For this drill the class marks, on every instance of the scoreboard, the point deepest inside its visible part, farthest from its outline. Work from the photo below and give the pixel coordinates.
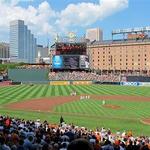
(70, 55)
(70, 62)
(71, 48)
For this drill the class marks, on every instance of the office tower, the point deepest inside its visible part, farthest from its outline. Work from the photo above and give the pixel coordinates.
(94, 34)
(42, 51)
(22, 43)
(4, 50)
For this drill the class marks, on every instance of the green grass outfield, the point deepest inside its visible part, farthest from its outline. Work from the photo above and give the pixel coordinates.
(89, 113)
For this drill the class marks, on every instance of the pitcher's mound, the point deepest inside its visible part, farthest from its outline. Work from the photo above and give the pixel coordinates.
(146, 121)
(112, 106)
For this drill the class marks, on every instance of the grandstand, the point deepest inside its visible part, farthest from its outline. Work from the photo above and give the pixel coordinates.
(17, 134)
(82, 75)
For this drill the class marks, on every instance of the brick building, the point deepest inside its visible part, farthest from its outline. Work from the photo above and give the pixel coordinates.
(125, 56)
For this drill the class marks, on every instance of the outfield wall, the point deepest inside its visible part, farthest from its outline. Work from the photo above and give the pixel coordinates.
(28, 75)
(59, 82)
(70, 82)
(135, 83)
(40, 76)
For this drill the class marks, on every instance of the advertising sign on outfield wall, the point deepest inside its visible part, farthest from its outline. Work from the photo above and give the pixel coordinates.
(144, 83)
(130, 83)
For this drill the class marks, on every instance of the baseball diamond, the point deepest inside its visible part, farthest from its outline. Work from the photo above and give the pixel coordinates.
(126, 107)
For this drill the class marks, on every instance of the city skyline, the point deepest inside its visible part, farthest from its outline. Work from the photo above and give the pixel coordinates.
(46, 18)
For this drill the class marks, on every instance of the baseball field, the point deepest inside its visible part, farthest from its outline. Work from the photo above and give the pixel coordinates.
(125, 108)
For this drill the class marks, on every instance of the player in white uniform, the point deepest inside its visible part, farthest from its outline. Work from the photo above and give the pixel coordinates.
(103, 102)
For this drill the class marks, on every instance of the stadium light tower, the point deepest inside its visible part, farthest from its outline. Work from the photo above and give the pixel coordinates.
(52, 50)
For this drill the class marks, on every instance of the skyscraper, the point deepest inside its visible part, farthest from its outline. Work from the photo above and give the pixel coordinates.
(94, 34)
(22, 43)
(4, 50)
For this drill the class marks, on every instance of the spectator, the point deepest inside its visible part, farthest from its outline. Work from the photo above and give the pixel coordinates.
(107, 145)
(80, 144)
(27, 135)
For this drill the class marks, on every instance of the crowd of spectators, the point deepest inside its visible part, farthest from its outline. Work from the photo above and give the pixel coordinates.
(3, 76)
(19, 134)
(82, 75)
(33, 66)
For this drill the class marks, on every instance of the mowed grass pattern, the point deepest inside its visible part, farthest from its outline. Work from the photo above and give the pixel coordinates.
(89, 113)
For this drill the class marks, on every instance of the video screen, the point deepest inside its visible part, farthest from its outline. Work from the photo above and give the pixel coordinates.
(84, 62)
(71, 62)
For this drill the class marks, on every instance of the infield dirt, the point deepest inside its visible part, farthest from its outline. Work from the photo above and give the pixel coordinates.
(47, 104)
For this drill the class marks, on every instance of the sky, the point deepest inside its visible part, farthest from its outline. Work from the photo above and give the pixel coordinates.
(47, 18)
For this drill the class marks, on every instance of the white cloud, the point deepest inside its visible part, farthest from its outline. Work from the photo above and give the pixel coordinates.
(84, 14)
(38, 19)
(43, 19)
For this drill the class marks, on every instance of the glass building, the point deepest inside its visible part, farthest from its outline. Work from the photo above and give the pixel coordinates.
(22, 43)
